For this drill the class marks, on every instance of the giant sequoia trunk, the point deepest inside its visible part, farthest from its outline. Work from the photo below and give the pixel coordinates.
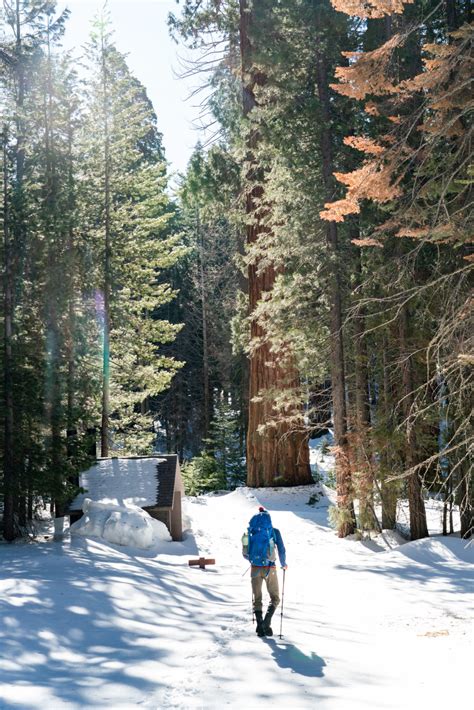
(346, 524)
(275, 455)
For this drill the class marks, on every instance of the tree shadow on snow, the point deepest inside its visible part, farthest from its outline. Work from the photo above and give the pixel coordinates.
(406, 564)
(90, 625)
(289, 656)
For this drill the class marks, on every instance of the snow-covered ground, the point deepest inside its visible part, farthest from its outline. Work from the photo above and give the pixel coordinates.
(320, 457)
(323, 468)
(86, 624)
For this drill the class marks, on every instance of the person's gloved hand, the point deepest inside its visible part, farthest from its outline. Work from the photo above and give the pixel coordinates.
(285, 567)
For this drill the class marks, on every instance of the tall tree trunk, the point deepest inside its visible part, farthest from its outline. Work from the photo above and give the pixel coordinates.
(418, 524)
(54, 277)
(466, 502)
(465, 470)
(204, 330)
(107, 265)
(12, 260)
(362, 455)
(8, 459)
(388, 492)
(275, 455)
(452, 15)
(71, 315)
(338, 385)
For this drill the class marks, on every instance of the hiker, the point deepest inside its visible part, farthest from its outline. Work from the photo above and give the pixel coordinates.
(258, 546)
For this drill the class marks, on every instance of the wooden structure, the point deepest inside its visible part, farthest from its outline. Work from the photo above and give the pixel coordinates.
(202, 562)
(152, 483)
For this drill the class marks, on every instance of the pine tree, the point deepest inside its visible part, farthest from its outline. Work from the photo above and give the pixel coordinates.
(128, 229)
(208, 282)
(51, 225)
(29, 24)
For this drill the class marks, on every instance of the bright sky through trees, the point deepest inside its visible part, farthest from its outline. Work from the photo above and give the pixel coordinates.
(141, 31)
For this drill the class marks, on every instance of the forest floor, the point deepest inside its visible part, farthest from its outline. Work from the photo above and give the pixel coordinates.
(86, 624)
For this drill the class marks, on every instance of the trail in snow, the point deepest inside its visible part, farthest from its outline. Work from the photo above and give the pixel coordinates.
(85, 624)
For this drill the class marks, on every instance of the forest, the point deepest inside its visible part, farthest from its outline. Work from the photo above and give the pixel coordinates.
(310, 272)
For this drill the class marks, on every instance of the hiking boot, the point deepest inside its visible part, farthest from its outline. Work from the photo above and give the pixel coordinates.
(259, 618)
(267, 629)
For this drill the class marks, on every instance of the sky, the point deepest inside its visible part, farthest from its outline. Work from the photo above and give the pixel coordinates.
(141, 32)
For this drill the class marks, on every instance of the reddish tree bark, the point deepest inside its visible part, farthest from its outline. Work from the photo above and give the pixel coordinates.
(275, 455)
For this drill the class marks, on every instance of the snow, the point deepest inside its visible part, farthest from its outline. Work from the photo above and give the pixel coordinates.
(130, 525)
(85, 623)
(322, 464)
(320, 457)
(120, 481)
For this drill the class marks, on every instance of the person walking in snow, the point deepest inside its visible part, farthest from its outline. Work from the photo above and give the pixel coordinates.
(258, 546)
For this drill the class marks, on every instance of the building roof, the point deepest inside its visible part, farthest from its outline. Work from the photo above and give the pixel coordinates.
(147, 482)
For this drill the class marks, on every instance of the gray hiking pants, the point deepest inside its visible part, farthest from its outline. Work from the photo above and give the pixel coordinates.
(269, 574)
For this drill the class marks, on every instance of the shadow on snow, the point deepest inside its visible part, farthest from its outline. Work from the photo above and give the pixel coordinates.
(79, 623)
(289, 656)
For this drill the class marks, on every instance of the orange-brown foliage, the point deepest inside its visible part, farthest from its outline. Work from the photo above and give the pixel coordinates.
(368, 72)
(373, 181)
(371, 109)
(370, 8)
(365, 145)
(367, 242)
(443, 93)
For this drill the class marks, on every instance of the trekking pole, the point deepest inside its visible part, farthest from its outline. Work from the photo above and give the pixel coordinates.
(253, 610)
(282, 600)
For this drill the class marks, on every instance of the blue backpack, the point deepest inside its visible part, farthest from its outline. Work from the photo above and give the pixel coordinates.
(261, 550)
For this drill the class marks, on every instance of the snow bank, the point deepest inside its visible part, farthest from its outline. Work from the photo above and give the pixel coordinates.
(128, 526)
(242, 500)
(448, 551)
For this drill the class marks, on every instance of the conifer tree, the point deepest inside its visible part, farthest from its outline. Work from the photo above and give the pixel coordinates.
(28, 25)
(275, 452)
(128, 229)
(53, 260)
(208, 282)
(427, 173)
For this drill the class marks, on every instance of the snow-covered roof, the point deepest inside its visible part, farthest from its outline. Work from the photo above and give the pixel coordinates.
(121, 481)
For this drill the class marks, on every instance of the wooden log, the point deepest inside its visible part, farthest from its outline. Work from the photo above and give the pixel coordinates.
(202, 562)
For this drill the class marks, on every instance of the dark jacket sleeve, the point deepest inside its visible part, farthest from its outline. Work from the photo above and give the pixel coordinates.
(280, 547)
